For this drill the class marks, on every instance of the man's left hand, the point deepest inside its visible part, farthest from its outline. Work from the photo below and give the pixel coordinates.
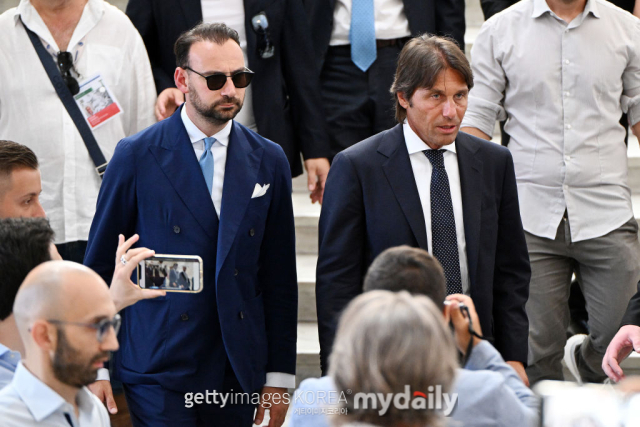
(317, 170)
(519, 368)
(102, 389)
(276, 400)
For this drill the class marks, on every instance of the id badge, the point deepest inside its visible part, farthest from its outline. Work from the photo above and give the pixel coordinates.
(96, 101)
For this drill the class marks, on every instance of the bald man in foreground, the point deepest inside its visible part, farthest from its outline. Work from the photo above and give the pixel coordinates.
(68, 324)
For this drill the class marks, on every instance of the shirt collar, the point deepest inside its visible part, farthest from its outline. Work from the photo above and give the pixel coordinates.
(540, 7)
(416, 145)
(41, 400)
(91, 15)
(3, 349)
(196, 135)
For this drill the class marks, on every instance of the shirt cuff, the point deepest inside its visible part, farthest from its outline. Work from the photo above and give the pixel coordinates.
(280, 379)
(103, 375)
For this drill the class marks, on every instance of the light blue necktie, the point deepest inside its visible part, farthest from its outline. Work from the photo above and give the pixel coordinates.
(362, 34)
(206, 162)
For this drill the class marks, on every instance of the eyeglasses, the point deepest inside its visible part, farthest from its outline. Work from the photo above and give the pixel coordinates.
(216, 81)
(65, 65)
(260, 25)
(102, 327)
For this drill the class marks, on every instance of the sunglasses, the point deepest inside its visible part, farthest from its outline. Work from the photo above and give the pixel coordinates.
(260, 25)
(65, 65)
(216, 81)
(102, 327)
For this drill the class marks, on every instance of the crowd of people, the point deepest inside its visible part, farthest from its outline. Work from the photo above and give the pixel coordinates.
(445, 261)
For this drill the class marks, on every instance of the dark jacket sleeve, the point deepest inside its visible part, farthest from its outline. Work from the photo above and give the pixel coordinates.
(632, 315)
(511, 275)
(303, 83)
(141, 14)
(450, 19)
(341, 250)
(491, 7)
(277, 274)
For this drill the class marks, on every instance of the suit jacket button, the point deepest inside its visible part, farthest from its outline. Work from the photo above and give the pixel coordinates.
(184, 317)
(252, 232)
(235, 272)
(241, 315)
(176, 229)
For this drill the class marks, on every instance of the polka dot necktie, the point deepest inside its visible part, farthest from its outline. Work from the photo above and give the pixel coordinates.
(443, 223)
(206, 162)
(362, 34)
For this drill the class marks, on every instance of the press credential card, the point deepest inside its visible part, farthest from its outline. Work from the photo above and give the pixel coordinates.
(97, 103)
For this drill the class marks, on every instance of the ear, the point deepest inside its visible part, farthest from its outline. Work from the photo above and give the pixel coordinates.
(403, 100)
(181, 80)
(44, 335)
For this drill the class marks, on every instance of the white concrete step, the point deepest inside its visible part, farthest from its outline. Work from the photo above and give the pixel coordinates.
(308, 360)
(306, 216)
(306, 265)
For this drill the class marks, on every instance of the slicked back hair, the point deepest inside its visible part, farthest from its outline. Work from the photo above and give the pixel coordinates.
(404, 268)
(420, 62)
(15, 156)
(217, 33)
(24, 244)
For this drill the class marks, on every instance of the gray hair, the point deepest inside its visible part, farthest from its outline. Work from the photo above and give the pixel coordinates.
(385, 341)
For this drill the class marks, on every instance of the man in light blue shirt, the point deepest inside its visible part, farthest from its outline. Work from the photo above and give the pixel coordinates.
(68, 324)
(8, 363)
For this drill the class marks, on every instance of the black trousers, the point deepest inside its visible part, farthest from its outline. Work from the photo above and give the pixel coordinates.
(357, 104)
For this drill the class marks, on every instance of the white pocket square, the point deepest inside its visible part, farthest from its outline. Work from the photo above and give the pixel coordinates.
(259, 190)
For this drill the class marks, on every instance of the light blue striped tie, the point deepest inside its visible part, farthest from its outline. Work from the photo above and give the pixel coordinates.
(206, 162)
(362, 34)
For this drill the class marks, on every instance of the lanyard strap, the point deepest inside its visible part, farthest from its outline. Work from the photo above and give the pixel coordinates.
(69, 103)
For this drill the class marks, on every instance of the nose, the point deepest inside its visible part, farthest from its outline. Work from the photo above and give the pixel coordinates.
(229, 89)
(449, 108)
(38, 210)
(110, 341)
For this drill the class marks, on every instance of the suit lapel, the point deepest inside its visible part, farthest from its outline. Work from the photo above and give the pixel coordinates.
(192, 10)
(178, 161)
(397, 169)
(472, 189)
(240, 178)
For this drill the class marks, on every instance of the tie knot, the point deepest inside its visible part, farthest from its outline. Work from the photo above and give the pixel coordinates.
(208, 143)
(435, 157)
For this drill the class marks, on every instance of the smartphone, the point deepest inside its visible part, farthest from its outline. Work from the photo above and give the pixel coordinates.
(171, 273)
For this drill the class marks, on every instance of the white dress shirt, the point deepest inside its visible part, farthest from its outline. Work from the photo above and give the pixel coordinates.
(390, 21)
(219, 151)
(105, 42)
(231, 12)
(27, 401)
(562, 88)
(422, 168)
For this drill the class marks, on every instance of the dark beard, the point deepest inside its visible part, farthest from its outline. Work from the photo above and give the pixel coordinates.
(214, 116)
(68, 369)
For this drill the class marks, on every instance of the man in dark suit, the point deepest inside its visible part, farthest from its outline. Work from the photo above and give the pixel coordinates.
(284, 103)
(357, 58)
(226, 197)
(424, 184)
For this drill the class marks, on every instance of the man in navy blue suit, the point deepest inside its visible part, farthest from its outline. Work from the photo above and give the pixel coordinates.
(199, 183)
(424, 184)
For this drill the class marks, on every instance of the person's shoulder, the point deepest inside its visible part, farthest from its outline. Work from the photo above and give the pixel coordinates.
(481, 382)
(482, 145)
(271, 149)
(114, 16)
(622, 17)
(520, 10)
(365, 150)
